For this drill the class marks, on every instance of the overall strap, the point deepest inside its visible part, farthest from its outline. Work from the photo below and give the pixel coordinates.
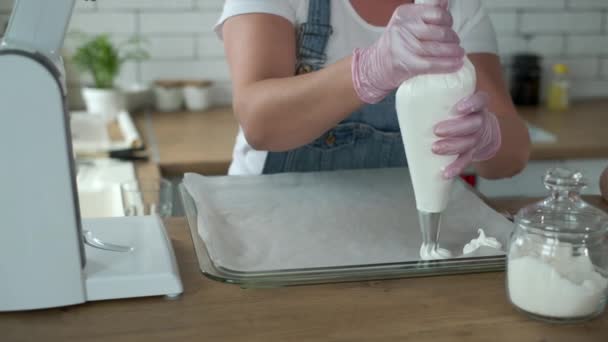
(312, 42)
(313, 36)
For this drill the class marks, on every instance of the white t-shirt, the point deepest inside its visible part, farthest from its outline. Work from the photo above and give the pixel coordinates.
(350, 31)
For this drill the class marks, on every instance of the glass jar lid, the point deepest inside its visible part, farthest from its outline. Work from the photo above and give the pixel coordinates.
(564, 211)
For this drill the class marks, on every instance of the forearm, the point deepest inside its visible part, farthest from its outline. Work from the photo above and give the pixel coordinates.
(284, 113)
(514, 151)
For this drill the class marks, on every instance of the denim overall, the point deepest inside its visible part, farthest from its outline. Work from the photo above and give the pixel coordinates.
(368, 138)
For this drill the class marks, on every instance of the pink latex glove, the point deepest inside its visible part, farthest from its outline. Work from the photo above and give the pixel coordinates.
(474, 135)
(419, 39)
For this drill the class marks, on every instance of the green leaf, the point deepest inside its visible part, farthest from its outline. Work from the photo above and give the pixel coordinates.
(99, 57)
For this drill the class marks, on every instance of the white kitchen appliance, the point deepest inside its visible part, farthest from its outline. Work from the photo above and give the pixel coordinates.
(43, 259)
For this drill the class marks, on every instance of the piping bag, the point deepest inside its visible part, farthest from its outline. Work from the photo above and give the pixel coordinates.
(421, 103)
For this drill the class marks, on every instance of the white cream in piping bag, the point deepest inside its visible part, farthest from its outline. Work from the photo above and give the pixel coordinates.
(421, 103)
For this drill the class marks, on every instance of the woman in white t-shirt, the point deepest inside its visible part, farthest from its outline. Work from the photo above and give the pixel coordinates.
(314, 84)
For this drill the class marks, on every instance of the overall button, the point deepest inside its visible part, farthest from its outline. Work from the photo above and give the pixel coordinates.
(331, 139)
(304, 69)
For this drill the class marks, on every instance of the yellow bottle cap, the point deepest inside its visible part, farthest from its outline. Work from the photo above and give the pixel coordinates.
(560, 69)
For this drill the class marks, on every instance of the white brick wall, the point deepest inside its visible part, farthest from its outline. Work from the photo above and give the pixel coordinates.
(145, 4)
(525, 4)
(110, 22)
(588, 4)
(215, 69)
(177, 22)
(182, 43)
(172, 46)
(574, 32)
(587, 44)
(557, 22)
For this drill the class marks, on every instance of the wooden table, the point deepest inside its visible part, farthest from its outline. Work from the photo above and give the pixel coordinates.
(203, 142)
(470, 307)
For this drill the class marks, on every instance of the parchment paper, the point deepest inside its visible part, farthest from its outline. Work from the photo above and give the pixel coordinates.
(341, 218)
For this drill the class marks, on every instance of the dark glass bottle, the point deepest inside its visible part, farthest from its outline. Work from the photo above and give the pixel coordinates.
(526, 80)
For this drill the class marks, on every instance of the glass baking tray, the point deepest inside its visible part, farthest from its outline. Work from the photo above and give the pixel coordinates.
(302, 276)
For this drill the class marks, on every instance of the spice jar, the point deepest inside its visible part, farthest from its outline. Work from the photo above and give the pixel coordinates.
(168, 95)
(558, 97)
(197, 95)
(557, 261)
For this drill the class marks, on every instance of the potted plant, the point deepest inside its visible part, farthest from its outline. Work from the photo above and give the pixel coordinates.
(100, 58)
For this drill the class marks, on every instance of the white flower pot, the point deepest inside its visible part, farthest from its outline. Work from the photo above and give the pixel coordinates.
(105, 102)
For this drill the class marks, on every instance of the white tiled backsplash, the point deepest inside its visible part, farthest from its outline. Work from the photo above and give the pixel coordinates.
(182, 43)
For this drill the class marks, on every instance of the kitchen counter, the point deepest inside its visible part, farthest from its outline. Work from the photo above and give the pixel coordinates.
(203, 142)
(183, 142)
(581, 132)
(470, 307)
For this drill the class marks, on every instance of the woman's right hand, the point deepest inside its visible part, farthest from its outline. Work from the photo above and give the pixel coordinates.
(418, 39)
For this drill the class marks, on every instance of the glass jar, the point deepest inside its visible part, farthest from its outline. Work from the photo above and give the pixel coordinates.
(557, 261)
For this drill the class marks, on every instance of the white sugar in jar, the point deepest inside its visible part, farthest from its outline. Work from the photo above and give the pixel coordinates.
(557, 260)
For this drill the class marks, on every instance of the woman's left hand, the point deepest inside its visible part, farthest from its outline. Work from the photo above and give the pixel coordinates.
(474, 134)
